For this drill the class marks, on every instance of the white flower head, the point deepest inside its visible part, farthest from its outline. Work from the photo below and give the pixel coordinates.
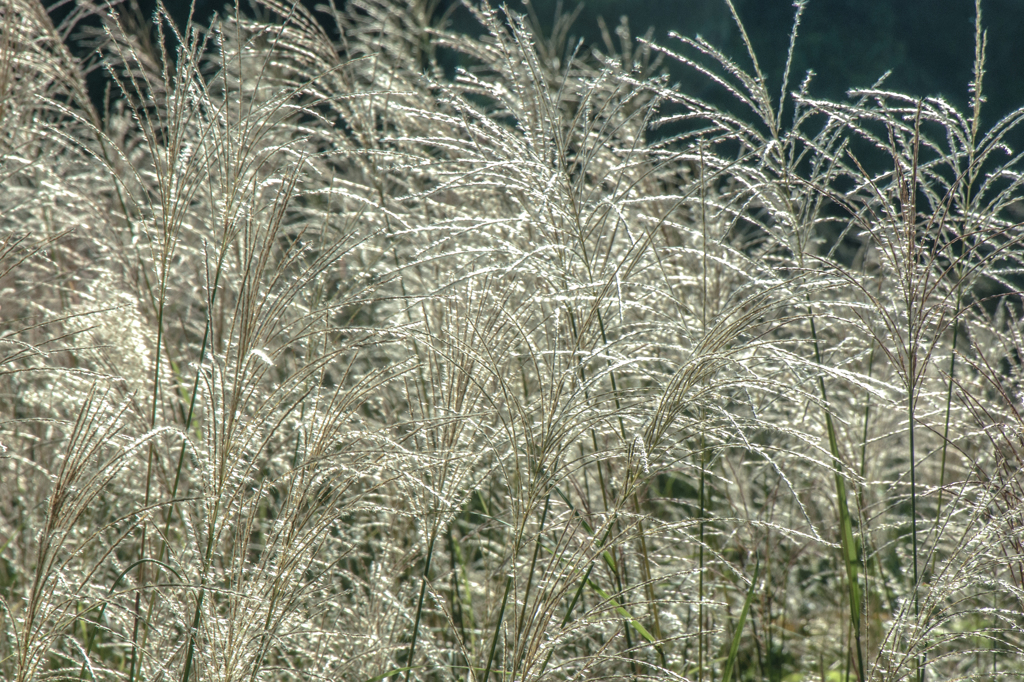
(638, 445)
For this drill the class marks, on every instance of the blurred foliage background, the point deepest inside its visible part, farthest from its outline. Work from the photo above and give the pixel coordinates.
(926, 44)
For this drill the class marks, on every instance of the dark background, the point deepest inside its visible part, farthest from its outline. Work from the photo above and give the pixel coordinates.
(927, 44)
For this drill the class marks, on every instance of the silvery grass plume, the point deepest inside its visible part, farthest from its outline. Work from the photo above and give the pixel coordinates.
(323, 362)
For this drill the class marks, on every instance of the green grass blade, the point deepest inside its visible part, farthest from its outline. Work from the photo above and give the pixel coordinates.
(734, 649)
(396, 671)
(497, 629)
(637, 625)
(849, 548)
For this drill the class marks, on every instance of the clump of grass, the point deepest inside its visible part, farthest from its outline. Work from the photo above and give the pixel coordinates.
(319, 361)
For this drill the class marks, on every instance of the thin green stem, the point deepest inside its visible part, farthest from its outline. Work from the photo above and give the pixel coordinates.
(703, 444)
(849, 547)
(945, 430)
(497, 629)
(419, 605)
(529, 583)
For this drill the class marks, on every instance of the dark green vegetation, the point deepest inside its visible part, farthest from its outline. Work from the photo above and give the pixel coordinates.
(319, 364)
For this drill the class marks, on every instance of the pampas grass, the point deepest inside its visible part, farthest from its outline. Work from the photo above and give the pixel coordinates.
(321, 363)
